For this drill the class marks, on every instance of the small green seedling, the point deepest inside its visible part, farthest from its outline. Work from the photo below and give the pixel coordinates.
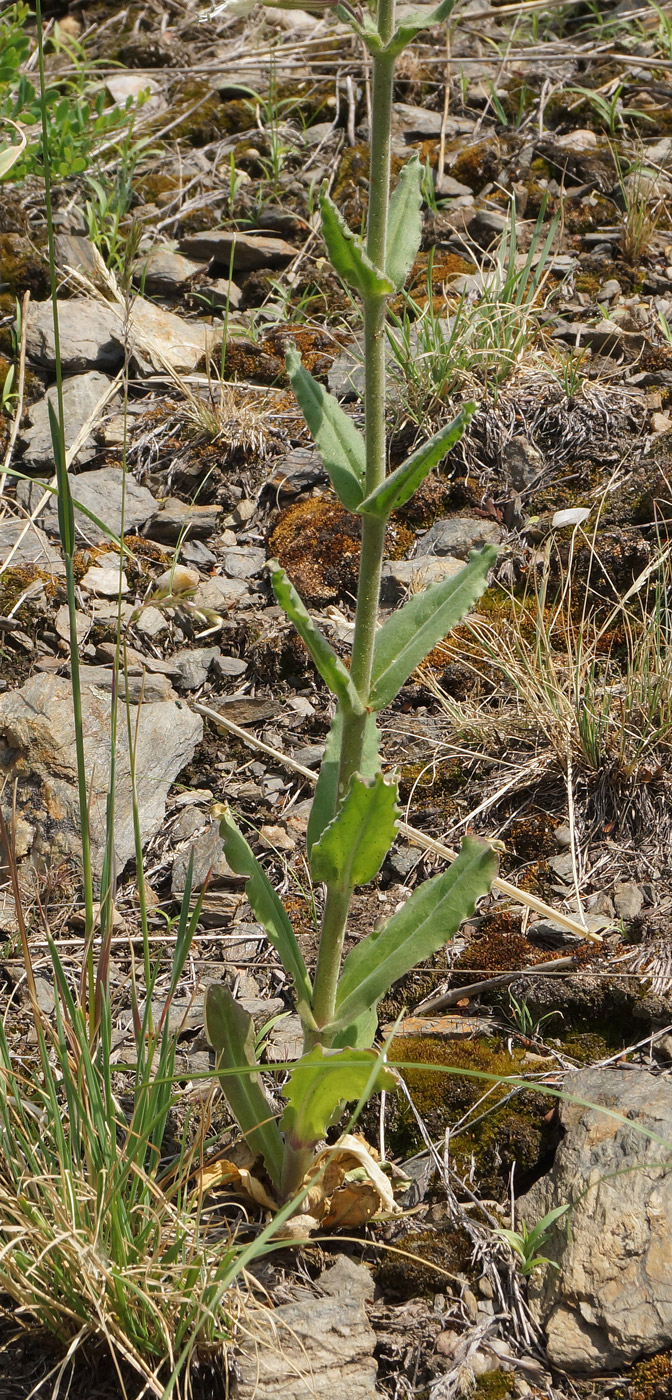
(354, 815)
(525, 1243)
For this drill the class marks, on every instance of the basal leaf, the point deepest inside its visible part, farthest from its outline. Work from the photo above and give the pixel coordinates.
(410, 633)
(330, 667)
(348, 256)
(230, 1031)
(334, 433)
(268, 909)
(325, 800)
(353, 846)
(427, 920)
(399, 486)
(322, 1080)
(414, 23)
(404, 230)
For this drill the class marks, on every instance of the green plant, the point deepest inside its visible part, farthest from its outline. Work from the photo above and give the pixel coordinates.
(609, 110)
(524, 1019)
(525, 1243)
(354, 813)
(78, 122)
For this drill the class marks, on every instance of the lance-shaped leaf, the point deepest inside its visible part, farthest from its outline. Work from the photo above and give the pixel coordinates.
(410, 633)
(404, 229)
(348, 256)
(414, 23)
(353, 846)
(230, 1031)
(360, 1034)
(427, 920)
(340, 445)
(322, 1080)
(329, 665)
(268, 909)
(399, 486)
(325, 801)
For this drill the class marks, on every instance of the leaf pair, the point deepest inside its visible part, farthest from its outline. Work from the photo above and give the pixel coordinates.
(404, 233)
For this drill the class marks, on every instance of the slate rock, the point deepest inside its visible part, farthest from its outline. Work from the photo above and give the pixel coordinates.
(163, 272)
(90, 335)
(101, 491)
(193, 666)
(298, 471)
(316, 1348)
(222, 292)
(37, 749)
(162, 340)
(146, 688)
(81, 395)
(522, 462)
(243, 561)
(458, 535)
(34, 548)
(219, 594)
(610, 1300)
(250, 250)
(207, 848)
(398, 575)
(628, 900)
(74, 250)
(175, 518)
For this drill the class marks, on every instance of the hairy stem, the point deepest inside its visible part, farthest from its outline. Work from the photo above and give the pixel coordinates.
(337, 903)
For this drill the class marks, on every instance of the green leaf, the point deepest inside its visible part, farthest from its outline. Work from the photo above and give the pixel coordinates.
(330, 667)
(325, 800)
(410, 633)
(404, 230)
(353, 846)
(348, 256)
(428, 919)
(268, 909)
(414, 23)
(230, 1031)
(399, 486)
(360, 1034)
(324, 1079)
(334, 433)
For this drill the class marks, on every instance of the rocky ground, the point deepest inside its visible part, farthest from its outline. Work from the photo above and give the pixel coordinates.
(544, 291)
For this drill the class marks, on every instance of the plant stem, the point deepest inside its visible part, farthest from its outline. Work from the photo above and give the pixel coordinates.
(337, 902)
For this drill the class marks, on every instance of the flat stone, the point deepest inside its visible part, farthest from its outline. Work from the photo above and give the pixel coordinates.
(90, 335)
(152, 622)
(628, 900)
(81, 395)
(175, 518)
(222, 292)
(109, 582)
(219, 594)
(102, 492)
(522, 462)
(207, 849)
(300, 470)
(458, 535)
(34, 548)
(250, 250)
(243, 561)
(610, 1299)
(37, 748)
(229, 666)
(163, 272)
(75, 251)
(317, 1348)
(147, 688)
(400, 574)
(193, 666)
(165, 340)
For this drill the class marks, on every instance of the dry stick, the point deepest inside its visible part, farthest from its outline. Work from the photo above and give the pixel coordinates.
(451, 998)
(418, 838)
(14, 431)
(444, 120)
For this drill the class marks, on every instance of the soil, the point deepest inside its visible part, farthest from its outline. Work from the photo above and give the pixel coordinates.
(544, 721)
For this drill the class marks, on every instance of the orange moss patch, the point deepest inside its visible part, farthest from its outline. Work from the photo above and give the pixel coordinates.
(318, 543)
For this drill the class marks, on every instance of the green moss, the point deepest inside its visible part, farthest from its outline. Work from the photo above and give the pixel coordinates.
(516, 1133)
(22, 267)
(13, 584)
(427, 1257)
(493, 1386)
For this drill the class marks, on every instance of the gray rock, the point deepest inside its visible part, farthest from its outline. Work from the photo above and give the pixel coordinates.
(400, 574)
(229, 666)
(316, 1348)
(628, 900)
(522, 462)
(177, 518)
(163, 272)
(221, 292)
(73, 250)
(610, 1300)
(563, 866)
(193, 667)
(33, 549)
(609, 290)
(250, 250)
(459, 535)
(90, 335)
(102, 492)
(81, 394)
(147, 689)
(243, 561)
(37, 748)
(297, 472)
(219, 594)
(207, 848)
